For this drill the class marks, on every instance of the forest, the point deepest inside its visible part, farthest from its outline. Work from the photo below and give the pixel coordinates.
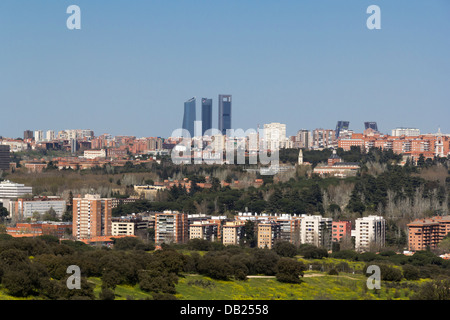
(36, 268)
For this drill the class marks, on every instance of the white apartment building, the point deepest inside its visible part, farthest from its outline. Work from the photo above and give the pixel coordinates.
(38, 135)
(11, 190)
(275, 136)
(405, 132)
(316, 230)
(24, 208)
(369, 231)
(15, 145)
(50, 135)
(93, 154)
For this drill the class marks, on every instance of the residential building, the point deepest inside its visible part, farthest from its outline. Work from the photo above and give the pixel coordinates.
(28, 135)
(427, 233)
(38, 135)
(50, 135)
(409, 132)
(171, 227)
(91, 216)
(11, 190)
(268, 233)
(275, 136)
(233, 232)
(205, 230)
(24, 208)
(316, 230)
(369, 231)
(303, 139)
(340, 230)
(323, 138)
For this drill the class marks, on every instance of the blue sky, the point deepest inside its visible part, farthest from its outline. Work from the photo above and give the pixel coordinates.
(305, 63)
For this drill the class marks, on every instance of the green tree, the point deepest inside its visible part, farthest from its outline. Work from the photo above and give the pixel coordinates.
(289, 270)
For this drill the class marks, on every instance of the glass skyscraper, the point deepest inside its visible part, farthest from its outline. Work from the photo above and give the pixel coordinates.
(224, 113)
(206, 115)
(189, 116)
(340, 126)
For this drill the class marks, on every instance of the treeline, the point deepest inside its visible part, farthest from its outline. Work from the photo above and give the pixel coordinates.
(37, 267)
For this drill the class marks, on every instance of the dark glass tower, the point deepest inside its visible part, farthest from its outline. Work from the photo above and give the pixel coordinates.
(189, 116)
(206, 115)
(371, 125)
(224, 113)
(5, 157)
(341, 125)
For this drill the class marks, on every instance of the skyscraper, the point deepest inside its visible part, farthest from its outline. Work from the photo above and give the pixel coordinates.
(341, 125)
(371, 125)
(5, 157)
(206, 115)
(224, 113)
(189, 116)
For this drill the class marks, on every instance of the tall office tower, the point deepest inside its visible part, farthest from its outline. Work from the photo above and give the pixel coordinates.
(371, 125)
(224, 113)
(91, 217)
(369, 231)
(50, 135)
(341, 126)
(38, 136)
(5, 157)
(206, 115)
(27, 134)
(189, 116)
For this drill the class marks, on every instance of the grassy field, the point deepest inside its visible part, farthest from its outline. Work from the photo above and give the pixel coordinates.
(315, 286)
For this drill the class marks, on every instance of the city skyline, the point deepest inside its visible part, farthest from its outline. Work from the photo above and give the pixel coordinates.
(307, 65)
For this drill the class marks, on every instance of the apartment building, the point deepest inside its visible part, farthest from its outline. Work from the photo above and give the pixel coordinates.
(171, 227)
(341, 229)
(369, 231)
(24, 208)
(427, 233)
(205, 230)
(316, 230)
(268, 233)
(91, 217)
(233, 232)
(11, 190)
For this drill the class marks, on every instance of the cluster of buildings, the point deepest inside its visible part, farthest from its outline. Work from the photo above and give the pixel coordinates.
(93, 223)
(92, 220)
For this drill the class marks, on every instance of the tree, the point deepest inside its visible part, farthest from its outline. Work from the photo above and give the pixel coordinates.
(285, 249)
(435, 290)
(410, 272)
(289, 270)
